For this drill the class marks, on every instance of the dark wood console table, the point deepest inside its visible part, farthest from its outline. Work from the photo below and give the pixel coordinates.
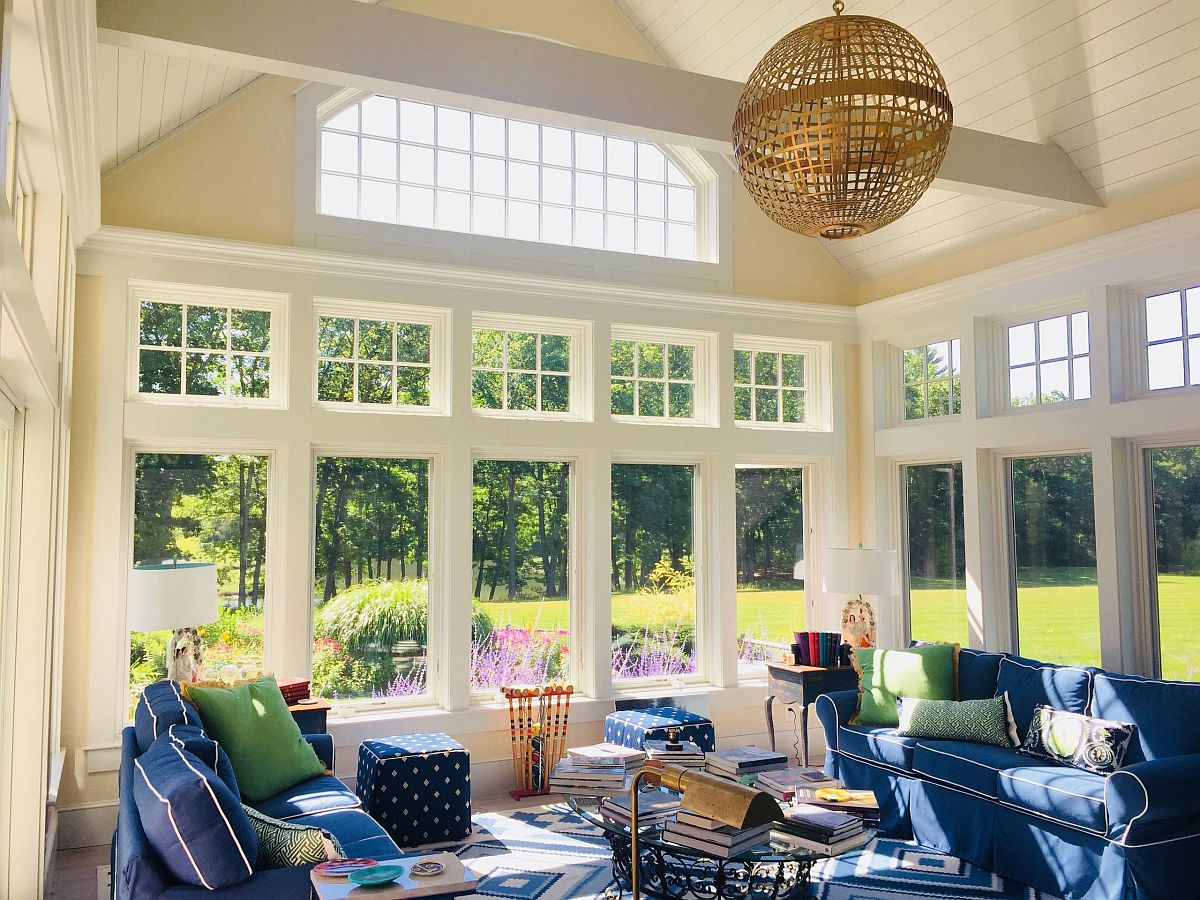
(800, 686)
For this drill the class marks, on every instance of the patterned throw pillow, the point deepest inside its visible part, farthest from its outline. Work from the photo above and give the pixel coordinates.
(978, 721)
(283, 844)
(1094, 745)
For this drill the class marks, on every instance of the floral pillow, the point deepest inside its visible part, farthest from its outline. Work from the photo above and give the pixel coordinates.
(1094, 745)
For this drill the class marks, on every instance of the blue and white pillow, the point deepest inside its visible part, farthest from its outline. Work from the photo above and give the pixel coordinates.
(193, 739)
(160, 706)
(1094, 745)
(193, 821)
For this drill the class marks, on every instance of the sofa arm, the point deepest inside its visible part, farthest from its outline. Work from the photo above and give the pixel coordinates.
(835, 709)
(323, 745)
(1154, 800)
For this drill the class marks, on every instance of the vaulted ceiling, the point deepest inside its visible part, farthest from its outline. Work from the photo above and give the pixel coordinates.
(1115, 83)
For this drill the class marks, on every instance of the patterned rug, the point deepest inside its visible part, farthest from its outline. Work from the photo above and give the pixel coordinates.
(549, 853)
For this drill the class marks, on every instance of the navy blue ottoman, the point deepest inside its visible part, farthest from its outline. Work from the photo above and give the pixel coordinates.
(633, 727)
(417, 786)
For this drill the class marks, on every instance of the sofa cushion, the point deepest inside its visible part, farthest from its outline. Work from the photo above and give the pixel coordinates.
(966, 765)
(282, 844)
(1165, 713)
(193, 739)
(1030, 683)
(926, 671)
(318, 794)
(192, 820)
(1066, 795)
(986, 721)
(358, 834)
(977, 673)
(159, 706)
(877, 745)
(1084, 742)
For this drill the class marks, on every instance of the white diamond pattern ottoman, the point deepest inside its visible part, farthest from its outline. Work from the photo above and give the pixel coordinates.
(417, 786)
(633, 727)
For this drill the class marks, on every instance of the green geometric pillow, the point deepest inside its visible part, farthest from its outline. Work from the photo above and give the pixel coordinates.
(884, 676)
(978, 721)
(1094, 745)
(284, 844)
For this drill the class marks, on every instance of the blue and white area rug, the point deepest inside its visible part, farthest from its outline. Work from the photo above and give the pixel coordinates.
(549, 853)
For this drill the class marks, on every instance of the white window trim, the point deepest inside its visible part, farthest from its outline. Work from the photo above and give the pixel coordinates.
(200, 295)
(579, 368)
(707, 608)
(437, 558)
(897, 386)
(438, 321)
(1001, 389)
(817, 379)
(704, 372)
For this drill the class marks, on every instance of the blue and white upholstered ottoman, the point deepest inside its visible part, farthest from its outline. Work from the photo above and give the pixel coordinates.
(633, 727)
(417, 786)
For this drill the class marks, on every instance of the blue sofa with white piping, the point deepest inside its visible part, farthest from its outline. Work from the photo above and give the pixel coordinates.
(1071, 833)
(140, 873)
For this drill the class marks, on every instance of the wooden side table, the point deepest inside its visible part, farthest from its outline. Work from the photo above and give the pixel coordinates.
(312, 717)
(455, 881)
(800, 686)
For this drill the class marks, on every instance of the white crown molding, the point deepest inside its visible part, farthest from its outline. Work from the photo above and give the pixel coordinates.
(69, 64)
(1181, 229)
(110, 239)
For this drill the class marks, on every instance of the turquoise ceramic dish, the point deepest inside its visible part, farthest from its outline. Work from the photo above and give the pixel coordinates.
(374, 876)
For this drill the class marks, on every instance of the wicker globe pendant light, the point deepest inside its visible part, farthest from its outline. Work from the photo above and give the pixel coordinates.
(842, 126)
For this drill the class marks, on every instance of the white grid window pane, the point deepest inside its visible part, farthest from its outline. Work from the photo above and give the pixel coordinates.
(1194, 359)
(1048, 360)
(1193, 311)
(1164, 317)
(1166, 365)
(1052, 335)
(1021, 344)
(419, 164)
(1083, 377)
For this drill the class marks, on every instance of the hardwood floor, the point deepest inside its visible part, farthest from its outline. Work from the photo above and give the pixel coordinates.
(75, 870)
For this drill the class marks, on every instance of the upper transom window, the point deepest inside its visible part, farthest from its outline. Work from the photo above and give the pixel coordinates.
(399, 161)
(1048, 360)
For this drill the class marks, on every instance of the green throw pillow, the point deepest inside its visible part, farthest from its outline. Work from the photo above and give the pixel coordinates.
(978, 721)
(252, 723)
(884, 676)
(283, 844)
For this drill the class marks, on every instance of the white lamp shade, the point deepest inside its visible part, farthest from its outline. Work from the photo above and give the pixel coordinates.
(172, 595)
(858, 571)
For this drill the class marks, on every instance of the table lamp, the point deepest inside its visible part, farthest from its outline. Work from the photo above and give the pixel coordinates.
(181, 596)
(724, 801)
(855, 570)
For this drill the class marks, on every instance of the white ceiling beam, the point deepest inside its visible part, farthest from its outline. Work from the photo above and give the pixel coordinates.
(351, 44)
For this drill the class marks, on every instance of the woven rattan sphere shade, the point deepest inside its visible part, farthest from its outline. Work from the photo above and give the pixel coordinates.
(842, 126)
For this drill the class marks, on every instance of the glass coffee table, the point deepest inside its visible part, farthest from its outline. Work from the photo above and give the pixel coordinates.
(771, 871)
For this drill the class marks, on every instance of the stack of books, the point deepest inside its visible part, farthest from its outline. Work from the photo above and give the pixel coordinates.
(654, 808)
(739, 761)
(787, 785)
(607, 755)
(570, 777)
(689, 755)
(819, 648)
(702, 833)
(824, 831)
(854, 803)
(294, 690)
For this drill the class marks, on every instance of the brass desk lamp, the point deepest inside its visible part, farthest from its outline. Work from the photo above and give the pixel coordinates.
(725, 801)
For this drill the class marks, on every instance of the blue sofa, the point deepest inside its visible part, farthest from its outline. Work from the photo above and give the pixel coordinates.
(1133, 834)
(139, 874)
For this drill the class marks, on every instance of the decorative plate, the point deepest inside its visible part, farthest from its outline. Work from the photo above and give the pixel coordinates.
(340, 868)
(376, 875)
(427, 869)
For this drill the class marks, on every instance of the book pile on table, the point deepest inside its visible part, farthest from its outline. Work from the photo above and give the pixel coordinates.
(820, 648)
(654, 808)
(570, 777)
(702, 833)
(825, 831)
(687, 753)
(294, 690)
(739, 761)
(608, 756)
(791, 784)
(854, 803)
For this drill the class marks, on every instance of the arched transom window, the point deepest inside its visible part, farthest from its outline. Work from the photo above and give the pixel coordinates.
(399, 161)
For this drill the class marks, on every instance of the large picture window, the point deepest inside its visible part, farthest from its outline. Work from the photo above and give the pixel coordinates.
(1173, 339)
(935, 558)
(400, 161)
(1175, 493)
(771, 560)
(371, 578)
(1054, 558)
(521, 619)
(210, 508)
(1048, 360)
(653, 571)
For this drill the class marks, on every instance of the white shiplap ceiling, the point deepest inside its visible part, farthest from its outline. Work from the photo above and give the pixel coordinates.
(1115, 83)
(143, 97)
